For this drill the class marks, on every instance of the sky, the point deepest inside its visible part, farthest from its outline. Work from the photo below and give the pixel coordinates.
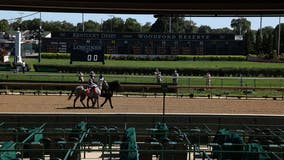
(213, 22)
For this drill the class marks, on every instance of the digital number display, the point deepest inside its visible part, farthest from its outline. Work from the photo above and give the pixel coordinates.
(92, 58)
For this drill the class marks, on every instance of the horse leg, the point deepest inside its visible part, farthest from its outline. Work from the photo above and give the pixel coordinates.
(81, 100)
(88, 102)
(104, 102)
(109, 98)
(75, 101)
(94, 100)
(91, 101)
(98, 105)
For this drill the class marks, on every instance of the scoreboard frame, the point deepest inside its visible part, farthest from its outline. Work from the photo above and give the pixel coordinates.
(93, 45)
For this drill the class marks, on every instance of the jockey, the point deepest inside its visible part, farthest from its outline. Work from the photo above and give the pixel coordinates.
(100, 81)
(91, 82)
(104, 87)
(81, 77)
(158, 75)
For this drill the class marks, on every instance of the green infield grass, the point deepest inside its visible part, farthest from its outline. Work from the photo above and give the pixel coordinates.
(161, 64)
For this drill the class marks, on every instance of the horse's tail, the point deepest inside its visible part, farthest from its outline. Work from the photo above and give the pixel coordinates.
(71, 94)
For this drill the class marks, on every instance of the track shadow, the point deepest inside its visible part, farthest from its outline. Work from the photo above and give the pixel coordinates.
(68, 107)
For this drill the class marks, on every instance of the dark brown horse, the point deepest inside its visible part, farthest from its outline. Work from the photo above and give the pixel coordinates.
(81, 92)
(107, 91)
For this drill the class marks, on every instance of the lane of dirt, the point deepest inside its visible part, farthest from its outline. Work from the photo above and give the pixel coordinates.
(17, 103)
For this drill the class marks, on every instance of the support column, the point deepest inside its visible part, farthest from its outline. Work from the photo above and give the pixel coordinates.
(18, 54)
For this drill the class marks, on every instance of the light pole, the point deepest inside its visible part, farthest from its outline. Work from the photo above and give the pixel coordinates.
(101, 28)
(164, 87)
(170, 24)
(260, 26)
(83, 23)
(111, 25)
(39, 39)
(112, 17)
(20, 21)
(279, 34)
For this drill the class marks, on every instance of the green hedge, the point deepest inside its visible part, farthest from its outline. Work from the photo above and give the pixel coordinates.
(266, 72)
(55, 55)
(177, 58)
(9, 66)
(211, 58)
(5, 66)
(156, 58)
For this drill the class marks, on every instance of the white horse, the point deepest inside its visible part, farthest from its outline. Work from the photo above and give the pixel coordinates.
(92, 94)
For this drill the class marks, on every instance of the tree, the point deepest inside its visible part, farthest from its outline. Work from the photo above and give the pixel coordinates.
(276, 30)
(31, 25)
(4, 25)
(190, 27)
(160, 25)
(171, 23)
(34, 24)
(113, 25)
(250, 43)
(268, 39)
(58, 26)
(258, 42)
(66, 26)
(131, 25)
(222, 30)
(241, 25)
(146, 27)
(25, 25)
(177, 24)
(204, 29)
(16, 25)
(89, 26)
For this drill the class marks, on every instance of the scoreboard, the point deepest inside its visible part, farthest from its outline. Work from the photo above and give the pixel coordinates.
(90, 46)
(87, 50)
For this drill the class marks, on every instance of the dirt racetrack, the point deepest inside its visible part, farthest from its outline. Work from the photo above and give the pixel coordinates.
(60, 104)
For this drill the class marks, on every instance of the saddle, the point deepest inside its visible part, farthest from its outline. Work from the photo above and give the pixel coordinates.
(89, 89)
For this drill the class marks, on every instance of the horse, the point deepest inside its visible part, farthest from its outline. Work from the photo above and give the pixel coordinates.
(81, 92)
(107, 91)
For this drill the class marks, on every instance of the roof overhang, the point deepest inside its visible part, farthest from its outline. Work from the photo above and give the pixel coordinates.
(189, 7)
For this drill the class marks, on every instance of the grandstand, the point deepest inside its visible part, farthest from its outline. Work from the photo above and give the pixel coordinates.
(141, 137)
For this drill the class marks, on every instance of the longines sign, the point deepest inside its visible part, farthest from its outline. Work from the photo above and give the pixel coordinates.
(87, 51)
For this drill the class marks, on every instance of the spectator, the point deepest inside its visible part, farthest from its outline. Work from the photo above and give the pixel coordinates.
(175, 77)
(208, 79)
(158, 76)
(81, 77)
(23, 66)
(18, 156)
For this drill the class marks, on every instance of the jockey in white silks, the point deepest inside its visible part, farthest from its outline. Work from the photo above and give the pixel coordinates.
(100, 81)
(92, 84)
